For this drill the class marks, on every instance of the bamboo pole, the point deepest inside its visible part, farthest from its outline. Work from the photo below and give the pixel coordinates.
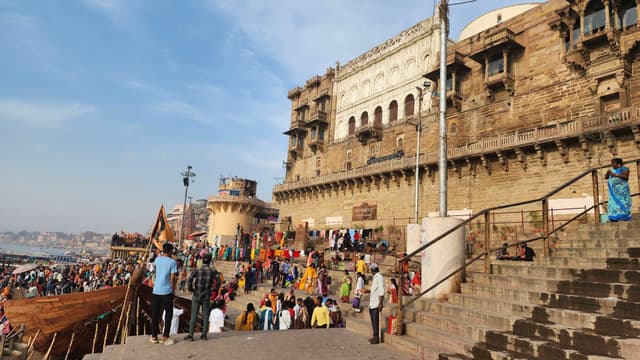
(33, 342)
(106, 335)
(125, 329)
(138, 316)
(46, 355)
(95, 337)
(73, 335)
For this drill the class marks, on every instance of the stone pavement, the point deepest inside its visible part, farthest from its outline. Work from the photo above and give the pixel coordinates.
(317, 343)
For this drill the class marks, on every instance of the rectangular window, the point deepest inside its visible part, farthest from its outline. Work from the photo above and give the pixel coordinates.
(449, 84)
(321, 134)
(313, 132)
(496, 65)
(301, 141)
(293, 140)
(595, 22)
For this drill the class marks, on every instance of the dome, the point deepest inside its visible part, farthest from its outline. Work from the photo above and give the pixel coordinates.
(494, 18)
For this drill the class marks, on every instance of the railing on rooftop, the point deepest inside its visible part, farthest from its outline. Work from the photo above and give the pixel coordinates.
(545, 234)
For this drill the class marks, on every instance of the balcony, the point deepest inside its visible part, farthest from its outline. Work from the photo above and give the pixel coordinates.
(318, 117)
(297, 127)
(316, 144)
(626, 118)
(369, 131)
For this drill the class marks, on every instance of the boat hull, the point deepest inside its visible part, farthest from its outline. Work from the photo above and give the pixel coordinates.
(65, 315)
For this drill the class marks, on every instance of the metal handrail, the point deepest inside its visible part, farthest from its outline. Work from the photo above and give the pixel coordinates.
(544, 197)
(490, 251)
(486, 212)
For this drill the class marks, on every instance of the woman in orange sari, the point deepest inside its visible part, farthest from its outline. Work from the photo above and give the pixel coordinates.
(248, 320)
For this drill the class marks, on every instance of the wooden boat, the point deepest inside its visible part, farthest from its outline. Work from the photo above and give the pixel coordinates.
(65, 315)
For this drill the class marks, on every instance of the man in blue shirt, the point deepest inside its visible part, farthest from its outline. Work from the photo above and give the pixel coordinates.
(164, 286)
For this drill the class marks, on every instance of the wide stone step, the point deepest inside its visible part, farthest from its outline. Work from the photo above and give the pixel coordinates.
(467, 316)
(574, 287)
(450, 342)
(449, 325)
(499, 305)
(531, 269)
(423, 348)
(598, 242)
(533, 348)
(621, 225)
(583, 340)
(617, 252)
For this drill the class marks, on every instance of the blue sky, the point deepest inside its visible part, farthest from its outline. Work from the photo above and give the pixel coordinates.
(104, 102)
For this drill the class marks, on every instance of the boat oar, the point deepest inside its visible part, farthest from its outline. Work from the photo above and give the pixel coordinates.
(95, 337)
(46, 355)
(106, 335)
(73, 335)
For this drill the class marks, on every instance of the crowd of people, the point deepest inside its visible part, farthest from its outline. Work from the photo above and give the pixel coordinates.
(49, 280)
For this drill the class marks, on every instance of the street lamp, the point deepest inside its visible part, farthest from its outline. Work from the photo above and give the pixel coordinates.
(421, 91)
(186, 176)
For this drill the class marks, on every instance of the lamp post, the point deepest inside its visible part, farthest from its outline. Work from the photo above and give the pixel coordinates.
(420, 89)
(186, 176)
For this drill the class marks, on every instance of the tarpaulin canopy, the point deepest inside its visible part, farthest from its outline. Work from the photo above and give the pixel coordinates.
(24, 268)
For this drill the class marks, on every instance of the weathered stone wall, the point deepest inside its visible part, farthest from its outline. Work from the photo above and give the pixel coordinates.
(566, 103)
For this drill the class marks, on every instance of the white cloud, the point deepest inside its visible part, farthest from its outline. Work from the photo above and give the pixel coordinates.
(306, 37)
(48, 115)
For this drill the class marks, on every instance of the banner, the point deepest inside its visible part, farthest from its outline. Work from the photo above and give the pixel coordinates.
(161, 232)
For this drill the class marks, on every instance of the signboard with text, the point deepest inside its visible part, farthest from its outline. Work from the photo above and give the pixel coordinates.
(365, 211)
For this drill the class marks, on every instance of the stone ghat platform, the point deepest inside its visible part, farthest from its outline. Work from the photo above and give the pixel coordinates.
(292, 344)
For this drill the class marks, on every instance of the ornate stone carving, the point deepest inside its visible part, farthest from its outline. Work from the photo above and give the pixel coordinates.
(503, 160)
(636, 133)
(420, 29)
(540, 153)
(585, 146)
(471, 164)
(486, 163)
(522, 158)
(610, 140)
(563, 150)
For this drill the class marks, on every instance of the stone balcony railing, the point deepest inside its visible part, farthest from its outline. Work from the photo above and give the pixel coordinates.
(239, 199)
(518, 139)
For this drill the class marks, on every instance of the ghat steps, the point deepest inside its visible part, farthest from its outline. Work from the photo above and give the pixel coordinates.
(582, 303)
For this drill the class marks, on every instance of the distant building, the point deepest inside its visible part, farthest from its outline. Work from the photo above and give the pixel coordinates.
(236, 205)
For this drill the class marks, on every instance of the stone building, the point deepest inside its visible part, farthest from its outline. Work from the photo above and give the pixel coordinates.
(534, 99)
(235, 207)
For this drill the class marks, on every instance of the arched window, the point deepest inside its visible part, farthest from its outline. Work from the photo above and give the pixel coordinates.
(627, 14)
(595, 17)
(408, 105)
(364, 119)
(377, 116)
(393, 111)
(352, 125)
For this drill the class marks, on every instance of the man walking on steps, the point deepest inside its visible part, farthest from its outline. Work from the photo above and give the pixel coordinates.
(200, 283)
(164, 287)
(376, 301)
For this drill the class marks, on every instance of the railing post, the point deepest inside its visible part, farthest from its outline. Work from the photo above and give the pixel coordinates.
(400, 317)
(487, 243)
(545, 225)
(596, 196)
(638, 173)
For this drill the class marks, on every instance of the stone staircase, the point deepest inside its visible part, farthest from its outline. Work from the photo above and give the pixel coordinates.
(582, 303)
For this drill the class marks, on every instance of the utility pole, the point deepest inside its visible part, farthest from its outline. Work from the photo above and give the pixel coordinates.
(421, 90)
(442, 158)
(186, 176)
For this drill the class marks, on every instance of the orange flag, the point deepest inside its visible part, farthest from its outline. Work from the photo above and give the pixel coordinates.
(161, 232)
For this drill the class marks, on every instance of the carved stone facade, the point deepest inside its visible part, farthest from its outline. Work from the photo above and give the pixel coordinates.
(533, 101)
